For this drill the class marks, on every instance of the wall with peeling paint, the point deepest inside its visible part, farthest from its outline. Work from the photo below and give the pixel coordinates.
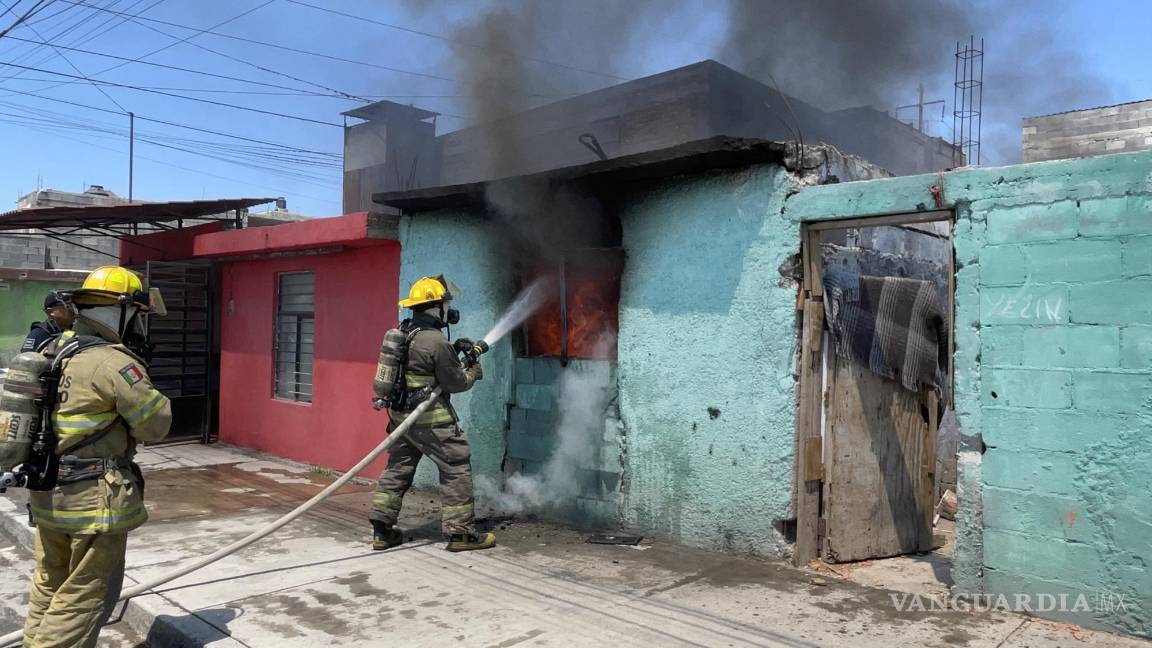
(707, 358)
(1053, 373)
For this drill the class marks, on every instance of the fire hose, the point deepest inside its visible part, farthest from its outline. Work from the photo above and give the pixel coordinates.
(15, 638)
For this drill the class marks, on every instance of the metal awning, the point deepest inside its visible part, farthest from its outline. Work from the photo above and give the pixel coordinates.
(96, 217)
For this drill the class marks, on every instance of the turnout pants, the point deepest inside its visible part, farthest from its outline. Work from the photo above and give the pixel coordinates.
(448, 448)
(74, 588)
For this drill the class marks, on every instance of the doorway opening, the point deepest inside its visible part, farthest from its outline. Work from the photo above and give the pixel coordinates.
(876, 436)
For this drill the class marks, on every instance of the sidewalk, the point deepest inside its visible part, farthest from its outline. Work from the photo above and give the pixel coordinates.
(315, 583)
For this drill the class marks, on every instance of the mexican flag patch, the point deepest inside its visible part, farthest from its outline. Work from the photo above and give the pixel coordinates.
(131, 374)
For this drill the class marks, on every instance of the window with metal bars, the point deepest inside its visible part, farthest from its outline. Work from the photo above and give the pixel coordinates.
(295, 331)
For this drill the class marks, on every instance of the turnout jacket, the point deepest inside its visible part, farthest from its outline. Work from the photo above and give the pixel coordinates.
(432, 359)
(105, 405)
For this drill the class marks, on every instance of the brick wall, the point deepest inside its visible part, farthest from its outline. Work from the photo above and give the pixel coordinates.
(587, 477)
(1097, 131)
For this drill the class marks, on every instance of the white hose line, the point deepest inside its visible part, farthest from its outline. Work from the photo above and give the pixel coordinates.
(15, 638)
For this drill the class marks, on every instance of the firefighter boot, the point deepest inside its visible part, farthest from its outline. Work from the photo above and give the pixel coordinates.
(384, 536)
(470, 541)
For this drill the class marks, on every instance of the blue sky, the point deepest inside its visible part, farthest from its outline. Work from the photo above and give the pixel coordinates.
(1081, 53)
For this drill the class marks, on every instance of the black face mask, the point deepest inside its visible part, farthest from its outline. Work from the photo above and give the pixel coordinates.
(453, 317)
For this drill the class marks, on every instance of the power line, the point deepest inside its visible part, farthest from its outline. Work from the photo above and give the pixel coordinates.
(264, 93)
(190, 36)
(244, 157)
(36, 8)
(95, 31)
(237, 59)
(171, 67)
(177, 125)
(278, 46)
(73, 66)
(454, 41)
(178, 96)
(278, 191)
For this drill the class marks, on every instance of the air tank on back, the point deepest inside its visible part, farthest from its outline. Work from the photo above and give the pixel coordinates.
(392, 352)
(19, 411)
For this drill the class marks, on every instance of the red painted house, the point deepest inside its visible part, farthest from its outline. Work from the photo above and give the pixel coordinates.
(293, 316)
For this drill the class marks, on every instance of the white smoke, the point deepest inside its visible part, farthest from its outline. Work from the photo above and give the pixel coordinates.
(585, 391)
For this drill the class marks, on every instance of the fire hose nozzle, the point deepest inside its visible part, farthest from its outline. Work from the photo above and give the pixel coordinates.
(472, 357)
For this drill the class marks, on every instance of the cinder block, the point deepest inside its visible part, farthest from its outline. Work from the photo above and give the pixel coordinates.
(596, 512)
(1055, 599)
(1114, 302)
(1137, 256)
(1042, 514)
(1003, 265)
(530, 448)
(536, 397)
(1002, 346)
(1115, 216)
(1041, 472)
(523, 372)
(1073, 261)
(545, 370)
(1046, 558)
(540, 422)
(1072, 346)
(518, 420)
(1111, 392)
(1136, 347)
(1044, 305)
(1027, 388)
(1028, 430)
(1032, 223)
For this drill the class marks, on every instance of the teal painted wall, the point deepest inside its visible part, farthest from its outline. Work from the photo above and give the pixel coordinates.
(1054, 370)
(465, 250)
(707, 356)
(22, 303)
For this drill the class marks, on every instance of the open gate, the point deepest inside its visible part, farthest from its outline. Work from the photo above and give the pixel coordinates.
(181, 365)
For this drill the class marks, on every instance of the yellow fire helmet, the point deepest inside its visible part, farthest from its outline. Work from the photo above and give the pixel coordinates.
(114, 285)
(428, 290)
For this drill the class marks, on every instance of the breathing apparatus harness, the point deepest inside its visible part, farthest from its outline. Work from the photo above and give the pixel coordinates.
(40, 471)
(391, 383)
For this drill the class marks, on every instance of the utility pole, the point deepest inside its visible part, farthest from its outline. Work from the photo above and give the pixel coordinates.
(131, 150)
(919, 106)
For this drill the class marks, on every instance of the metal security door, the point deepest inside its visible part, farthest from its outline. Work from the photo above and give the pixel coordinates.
(181, 360)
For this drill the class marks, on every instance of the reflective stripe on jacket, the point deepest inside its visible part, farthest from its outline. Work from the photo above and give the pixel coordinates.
(433, 359)
(103, 390)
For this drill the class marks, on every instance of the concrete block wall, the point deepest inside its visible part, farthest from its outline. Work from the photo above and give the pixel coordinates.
(1066, 396)
(41, 252)
(534, 437)
(1053, 375)
(1096, 131)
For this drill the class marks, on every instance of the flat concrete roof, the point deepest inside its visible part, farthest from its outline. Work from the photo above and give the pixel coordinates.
(719, 152)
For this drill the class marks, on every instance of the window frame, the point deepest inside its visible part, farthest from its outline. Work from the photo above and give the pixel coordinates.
(287, 386)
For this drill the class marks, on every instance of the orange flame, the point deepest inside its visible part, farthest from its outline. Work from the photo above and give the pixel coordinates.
(593, 304)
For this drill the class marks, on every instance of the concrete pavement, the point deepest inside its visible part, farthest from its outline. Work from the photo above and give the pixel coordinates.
(316, 584)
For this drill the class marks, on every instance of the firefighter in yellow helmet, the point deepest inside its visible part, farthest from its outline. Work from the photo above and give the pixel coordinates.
(105, 405)
(431, 360)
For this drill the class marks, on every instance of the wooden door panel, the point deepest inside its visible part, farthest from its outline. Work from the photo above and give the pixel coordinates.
(878, 487)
